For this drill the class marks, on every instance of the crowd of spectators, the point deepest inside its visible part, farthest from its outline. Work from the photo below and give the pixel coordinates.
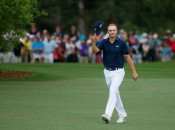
(74, 46)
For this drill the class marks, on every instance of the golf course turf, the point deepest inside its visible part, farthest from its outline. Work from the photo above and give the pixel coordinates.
(71, 96)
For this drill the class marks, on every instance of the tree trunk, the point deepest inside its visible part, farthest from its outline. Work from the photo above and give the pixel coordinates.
(81, 22)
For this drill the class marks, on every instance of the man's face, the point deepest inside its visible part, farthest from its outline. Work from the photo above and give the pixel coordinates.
(112, 31)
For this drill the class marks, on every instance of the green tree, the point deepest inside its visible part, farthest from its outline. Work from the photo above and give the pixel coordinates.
(145, 15)
(16, 15)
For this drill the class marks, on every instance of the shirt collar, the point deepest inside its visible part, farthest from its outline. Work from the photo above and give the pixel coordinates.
(116, 40)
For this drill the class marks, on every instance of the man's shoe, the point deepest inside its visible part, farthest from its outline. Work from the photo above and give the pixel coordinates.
(121, 119)
(105, 118)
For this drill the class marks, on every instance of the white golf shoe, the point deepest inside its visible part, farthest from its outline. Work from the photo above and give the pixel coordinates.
(105, 118)
(121, 119)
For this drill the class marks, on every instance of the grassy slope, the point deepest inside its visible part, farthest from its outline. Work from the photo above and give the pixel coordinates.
(73, 97)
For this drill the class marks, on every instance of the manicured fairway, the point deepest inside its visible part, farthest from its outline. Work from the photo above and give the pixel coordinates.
(73, 97)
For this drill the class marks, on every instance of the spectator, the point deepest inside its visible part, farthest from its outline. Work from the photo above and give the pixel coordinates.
(134, 48)
(144, 49)
(59, 52)
(91, 56)
(71, 50)
(17, 52)
(70, 47)
(38, 49)
(45, 35)
(168, 37)
(49, 47)
(34, 30)
(2, 55)
(84, 52)
(73, 56)
(166, 52)
(58, 31)
(152, 47)
(73, 32)
(173, 48)
(25, 49)
(157, 46)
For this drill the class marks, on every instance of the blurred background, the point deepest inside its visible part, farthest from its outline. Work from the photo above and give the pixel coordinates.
(64, 34)
(145, 15)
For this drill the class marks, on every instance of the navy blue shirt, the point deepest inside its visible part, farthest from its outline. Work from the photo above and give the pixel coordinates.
(113, 54)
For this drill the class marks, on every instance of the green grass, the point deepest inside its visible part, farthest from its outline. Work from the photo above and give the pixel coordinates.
(73, 97)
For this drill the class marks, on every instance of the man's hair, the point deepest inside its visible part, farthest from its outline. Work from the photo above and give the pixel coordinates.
(112, 24)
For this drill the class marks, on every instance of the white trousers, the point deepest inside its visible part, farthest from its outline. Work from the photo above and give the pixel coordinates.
(113, 81)
(48, 58)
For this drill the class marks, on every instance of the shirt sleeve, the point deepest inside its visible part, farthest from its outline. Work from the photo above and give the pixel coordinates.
(125, 49)
(100, 45)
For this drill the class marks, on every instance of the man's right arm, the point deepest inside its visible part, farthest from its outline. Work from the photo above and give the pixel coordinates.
(94, 46)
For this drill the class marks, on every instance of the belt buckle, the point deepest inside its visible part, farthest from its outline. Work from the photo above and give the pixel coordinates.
(110, 69)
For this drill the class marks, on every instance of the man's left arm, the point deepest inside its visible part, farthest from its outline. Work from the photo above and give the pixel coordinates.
(131, 65)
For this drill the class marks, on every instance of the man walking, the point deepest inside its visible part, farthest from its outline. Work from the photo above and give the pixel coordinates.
(114, 51)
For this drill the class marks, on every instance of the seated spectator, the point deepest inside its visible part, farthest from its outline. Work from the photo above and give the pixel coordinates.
(38, 49)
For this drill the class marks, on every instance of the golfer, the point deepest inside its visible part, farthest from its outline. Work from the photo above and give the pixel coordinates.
(114, 51)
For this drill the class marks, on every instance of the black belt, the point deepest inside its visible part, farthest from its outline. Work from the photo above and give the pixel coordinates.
(112, 69)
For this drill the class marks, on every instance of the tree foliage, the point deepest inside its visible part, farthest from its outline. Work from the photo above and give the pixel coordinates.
(146, 15)
(15, 15)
